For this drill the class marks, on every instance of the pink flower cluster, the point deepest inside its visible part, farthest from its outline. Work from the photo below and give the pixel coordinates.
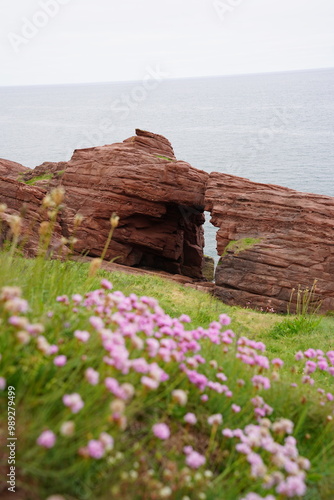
(278, 466)
(321, 361)
(97, 448)
(194, 460)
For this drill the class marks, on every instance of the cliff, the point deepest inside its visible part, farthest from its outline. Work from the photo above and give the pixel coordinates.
(270, 239)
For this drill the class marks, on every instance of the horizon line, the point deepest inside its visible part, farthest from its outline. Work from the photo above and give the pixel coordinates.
(227, 75)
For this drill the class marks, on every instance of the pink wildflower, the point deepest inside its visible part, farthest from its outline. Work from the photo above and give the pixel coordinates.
(47, 439)
(190, 418)
(74, 402)
(83, 336)
(106, 284)
(95, 449)
(277, 362)
(224, 319)
(60, 360)
(92, 376)
(261, 382)
(161, 431)
(195, 460)
(96, 322)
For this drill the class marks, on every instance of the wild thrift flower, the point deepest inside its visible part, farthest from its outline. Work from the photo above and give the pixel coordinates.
(161, 431)
(60, 360)
(255, 496)
(95, 449)
(16, 306)
(63, 299)
(149, 383)
(277, 362)
(107, 441)
(74, 402)
(92, 376)
(194, 460)
(128, 390)
(3, 383)
(190, 418)
(261, 382)
(67, 429)
(224, 319)
(53, 349)
(83, 336)
(9, 293)
(117, 406)
(96, 322)
(106, 284)
(283, 426)
(184, 318)
(236, 408)
(18, 322)
(47, 439)
(180, 397)
(43, 345)
(77, 298)
(23, 337)
(215, 420)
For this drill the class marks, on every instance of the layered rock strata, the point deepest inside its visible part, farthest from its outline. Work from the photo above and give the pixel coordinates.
(159, 201)
(271, 240)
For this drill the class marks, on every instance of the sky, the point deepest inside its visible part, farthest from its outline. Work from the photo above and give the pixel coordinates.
(81, 41)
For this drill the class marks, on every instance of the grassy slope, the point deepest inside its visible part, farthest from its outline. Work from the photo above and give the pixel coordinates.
(42, 282)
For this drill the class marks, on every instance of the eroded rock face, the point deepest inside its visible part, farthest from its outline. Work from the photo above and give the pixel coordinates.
(11, 169)
(159, 200)
(281, 239)
(25, 201)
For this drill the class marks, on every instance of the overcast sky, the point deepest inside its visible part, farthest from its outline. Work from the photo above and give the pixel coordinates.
(115, 40)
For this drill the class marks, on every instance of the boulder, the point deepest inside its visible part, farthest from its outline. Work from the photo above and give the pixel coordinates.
(271, 240)
(160, 202)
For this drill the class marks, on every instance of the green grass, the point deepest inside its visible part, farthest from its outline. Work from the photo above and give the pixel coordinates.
(43, 177)
(40, 386)
(237, 246)
(164, 157)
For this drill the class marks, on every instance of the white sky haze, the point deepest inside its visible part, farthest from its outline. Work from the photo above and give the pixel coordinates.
(72, 41)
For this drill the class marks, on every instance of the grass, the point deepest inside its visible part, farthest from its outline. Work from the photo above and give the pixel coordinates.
(126, 325)
(237, 246)
(39, 389)
(43, 177)
(164, 157)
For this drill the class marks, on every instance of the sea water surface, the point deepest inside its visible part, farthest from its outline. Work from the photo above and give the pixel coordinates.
(276, 128)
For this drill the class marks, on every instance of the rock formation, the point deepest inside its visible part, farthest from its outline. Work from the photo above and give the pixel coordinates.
(159, 200)
(11, 169)
(271, 239)
(25, 201)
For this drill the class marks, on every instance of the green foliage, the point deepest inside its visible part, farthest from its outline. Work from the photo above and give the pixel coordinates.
(295, 325)
(164, 157)
(237, 246)
(43, 177)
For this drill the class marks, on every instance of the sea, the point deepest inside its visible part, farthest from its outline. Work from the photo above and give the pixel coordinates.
(274, 128)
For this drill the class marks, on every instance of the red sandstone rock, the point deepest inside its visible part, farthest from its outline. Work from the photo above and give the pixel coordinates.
(296, 242)
(159, 201)
(25, 201)
(11, 169)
